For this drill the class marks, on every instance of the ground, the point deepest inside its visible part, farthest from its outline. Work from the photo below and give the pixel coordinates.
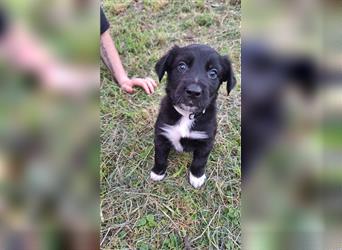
(136, 212)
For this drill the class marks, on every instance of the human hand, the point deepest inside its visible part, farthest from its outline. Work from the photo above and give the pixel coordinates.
(148, 84)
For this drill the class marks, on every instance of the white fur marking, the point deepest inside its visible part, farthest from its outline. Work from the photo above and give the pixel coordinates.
(198, 135)
(196, 182)
(182, 129)
(156, 177)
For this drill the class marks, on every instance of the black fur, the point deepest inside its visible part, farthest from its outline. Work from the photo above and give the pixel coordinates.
(200, 59)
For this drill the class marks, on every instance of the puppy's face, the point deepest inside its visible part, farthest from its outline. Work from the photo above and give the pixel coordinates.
(195, 74)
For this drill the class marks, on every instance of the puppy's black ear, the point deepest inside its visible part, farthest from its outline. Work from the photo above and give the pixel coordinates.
(164, 63)
(228, 75)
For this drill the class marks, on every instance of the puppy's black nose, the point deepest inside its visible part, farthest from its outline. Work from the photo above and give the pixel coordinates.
(193, 90)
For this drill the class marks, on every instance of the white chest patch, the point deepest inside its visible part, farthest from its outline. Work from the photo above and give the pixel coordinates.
(182, 129)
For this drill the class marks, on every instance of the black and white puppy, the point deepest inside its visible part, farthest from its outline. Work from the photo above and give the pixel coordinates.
(187, 115)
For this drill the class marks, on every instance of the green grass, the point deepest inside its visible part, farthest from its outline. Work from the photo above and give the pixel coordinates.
(139, 213)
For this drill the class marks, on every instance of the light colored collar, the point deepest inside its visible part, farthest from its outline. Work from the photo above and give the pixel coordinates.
(183, 112)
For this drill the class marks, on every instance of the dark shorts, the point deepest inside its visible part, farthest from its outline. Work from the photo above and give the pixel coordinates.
(104, 22)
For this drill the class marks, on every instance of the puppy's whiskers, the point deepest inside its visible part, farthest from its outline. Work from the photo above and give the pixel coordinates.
(179, 100)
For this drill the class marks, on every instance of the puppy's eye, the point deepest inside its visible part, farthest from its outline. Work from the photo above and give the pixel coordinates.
(212, 74)
(182, 67)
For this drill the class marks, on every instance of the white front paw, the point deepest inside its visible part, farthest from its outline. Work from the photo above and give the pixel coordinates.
(156, 177)
(178, 147)
(196, 182)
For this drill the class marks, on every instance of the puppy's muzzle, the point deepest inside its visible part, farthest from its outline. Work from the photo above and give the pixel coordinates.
(193, 91)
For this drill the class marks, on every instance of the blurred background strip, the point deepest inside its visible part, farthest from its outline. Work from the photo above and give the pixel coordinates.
(291, 124)
(49, 124)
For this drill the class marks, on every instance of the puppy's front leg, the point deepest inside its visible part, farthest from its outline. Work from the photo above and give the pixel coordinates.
(162, 150)
(197, 168)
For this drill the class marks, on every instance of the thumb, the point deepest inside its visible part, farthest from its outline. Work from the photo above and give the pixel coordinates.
(128, 89)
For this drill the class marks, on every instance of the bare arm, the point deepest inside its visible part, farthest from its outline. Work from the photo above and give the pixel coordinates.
(111, 59)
